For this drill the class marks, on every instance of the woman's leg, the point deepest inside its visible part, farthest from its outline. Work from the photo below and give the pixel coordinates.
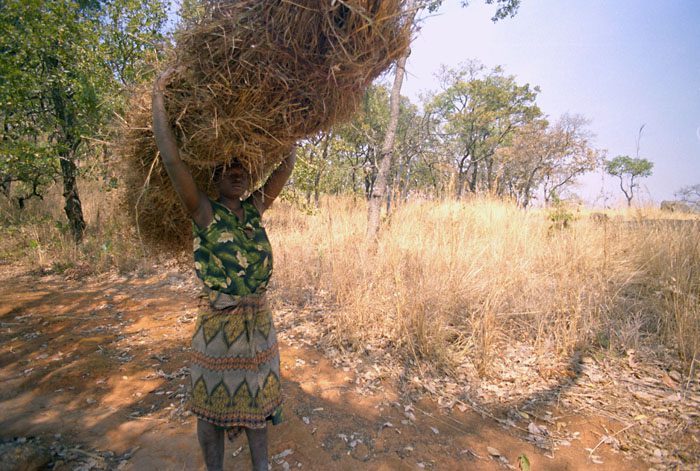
(257, 441)
(211, 440)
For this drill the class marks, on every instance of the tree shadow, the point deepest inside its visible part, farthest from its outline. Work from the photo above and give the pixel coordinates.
(103, 363)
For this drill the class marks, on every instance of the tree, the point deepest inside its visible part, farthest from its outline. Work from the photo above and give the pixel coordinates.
(417, 145)
(547, 156)
(345, 159)
(505, 8)
(690, 195)
(627, 169)
(481, 112)
(65, 62)
(380, 186)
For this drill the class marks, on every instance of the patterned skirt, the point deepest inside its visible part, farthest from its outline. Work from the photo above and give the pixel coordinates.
(236, 366)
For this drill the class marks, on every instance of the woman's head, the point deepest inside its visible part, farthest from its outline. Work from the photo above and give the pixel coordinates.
(232, 180)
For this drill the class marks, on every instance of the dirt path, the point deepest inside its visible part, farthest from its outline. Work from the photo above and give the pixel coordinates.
(95, 369)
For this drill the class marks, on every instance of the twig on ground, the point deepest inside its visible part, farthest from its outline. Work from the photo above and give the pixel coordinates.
(607, 437)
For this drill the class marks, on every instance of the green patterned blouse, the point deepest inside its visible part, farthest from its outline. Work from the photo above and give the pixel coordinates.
(231, 256)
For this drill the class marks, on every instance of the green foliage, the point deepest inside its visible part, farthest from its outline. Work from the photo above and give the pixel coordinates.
(524, 462)
(191, 12)
(483, 133)
(132, 38)
(344, 159)
(506, 8)
(559, 215)
(624, 165)
(64, 64)
(61, 267)
(62, 227)
(627, 169)
(481, 111)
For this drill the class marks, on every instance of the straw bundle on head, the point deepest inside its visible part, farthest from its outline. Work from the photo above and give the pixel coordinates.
(250, 79)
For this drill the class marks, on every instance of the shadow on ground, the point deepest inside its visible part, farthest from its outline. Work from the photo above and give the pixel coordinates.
(96, 369)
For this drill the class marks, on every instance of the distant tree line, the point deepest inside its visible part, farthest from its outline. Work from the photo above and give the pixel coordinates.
(481, 133)
(66, 65)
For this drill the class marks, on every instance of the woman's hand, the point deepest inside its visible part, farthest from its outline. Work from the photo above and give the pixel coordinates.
(162, 80)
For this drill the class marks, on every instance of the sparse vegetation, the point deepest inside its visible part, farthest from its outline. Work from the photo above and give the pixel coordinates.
(39, 234)
(456, 279)
(447, 280)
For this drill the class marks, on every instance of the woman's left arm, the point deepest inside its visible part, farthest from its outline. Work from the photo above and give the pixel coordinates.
(273, 186)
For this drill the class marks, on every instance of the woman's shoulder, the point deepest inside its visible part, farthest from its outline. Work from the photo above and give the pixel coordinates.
(255, 202)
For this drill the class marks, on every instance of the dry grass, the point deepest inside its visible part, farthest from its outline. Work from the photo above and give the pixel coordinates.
(38, 235)
(250, 79)
(457, 289)
(450, 280)
(447, 281)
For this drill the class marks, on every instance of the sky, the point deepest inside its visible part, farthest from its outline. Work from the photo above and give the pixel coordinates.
(619, 63)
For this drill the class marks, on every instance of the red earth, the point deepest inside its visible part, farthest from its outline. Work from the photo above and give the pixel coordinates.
(97, 364)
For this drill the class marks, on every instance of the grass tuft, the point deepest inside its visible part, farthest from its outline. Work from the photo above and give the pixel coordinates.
(449, 279)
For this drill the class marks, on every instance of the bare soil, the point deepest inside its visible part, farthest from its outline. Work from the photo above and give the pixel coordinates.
(94, 367)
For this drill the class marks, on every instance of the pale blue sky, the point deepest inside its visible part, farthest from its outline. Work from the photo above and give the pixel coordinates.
(620, 63)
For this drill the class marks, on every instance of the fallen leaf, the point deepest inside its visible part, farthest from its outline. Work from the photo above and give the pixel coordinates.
(641, 395)
(534, 429)
(669, 382)
(282, 455)
(523, 462)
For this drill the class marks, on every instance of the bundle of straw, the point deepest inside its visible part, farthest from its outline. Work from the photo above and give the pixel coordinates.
(251, 78)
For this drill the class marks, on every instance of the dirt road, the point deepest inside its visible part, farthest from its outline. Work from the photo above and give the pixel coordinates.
(95, 369)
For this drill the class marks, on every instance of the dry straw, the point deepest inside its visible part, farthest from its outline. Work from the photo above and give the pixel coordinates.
(252, 78)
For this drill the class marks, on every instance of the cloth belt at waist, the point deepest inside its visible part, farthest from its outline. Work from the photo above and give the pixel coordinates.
(246, 305)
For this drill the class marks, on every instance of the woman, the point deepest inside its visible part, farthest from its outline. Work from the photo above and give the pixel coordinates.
(235, 364)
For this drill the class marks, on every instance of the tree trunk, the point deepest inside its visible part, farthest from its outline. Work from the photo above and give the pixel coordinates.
(460, 183)
(73, 208)
(380, 185)
(472, 184)
(309, 189)
(324, 159)
(404, 188)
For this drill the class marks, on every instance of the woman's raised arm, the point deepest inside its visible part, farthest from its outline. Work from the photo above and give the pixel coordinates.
(195, 201)
(273, 186)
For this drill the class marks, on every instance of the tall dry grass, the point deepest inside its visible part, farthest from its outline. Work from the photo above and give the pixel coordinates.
(446, 280)
(454, 278)
(38, 235)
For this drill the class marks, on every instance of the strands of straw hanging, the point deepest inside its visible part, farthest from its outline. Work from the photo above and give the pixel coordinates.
(251, 78)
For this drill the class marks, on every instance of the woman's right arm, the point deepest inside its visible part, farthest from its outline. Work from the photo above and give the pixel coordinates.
(193, 198)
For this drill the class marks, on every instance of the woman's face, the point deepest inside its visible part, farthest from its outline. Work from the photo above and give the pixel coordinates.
(233, 182)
